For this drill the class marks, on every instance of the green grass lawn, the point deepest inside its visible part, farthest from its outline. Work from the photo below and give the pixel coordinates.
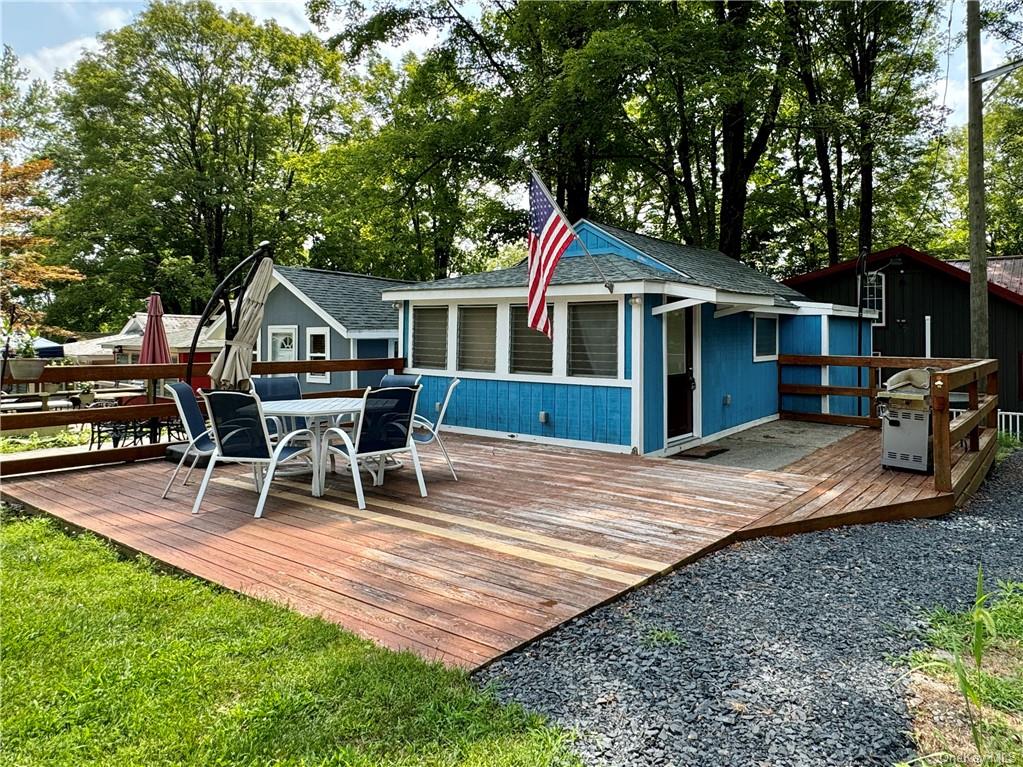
(107, 661)
(942, 726)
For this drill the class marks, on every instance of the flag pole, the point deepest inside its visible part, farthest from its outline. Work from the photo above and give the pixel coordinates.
(607, 283)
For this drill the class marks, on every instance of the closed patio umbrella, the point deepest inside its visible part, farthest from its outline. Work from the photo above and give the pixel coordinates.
(232, 368)
(155, 350)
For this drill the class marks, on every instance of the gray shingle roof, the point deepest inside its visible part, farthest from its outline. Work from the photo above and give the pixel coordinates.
(707, 268)
(351, 299)
(576, 270)
(704, 268)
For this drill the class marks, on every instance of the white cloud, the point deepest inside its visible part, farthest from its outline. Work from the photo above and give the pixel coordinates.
(44, 63)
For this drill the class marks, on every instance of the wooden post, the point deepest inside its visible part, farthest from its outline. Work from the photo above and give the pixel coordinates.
(873, 381)
(942, 448)
(992, 390)
(974, 404)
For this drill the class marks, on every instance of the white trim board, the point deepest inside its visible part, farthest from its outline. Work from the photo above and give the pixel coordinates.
(606, 447)
(696, 441)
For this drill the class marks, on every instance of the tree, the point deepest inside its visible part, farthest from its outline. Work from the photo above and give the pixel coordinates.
(27, 277)
(177, 152)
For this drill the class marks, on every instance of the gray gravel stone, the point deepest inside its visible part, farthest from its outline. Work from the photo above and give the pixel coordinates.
(787, 648)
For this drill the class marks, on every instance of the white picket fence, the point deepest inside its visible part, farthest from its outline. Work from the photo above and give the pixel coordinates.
(1008, 422)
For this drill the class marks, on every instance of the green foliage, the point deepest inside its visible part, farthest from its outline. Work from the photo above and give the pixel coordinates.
(1007, 445)
(993, 624)
(65, 438)
(658, 637)
(111, 662)
(175, 154)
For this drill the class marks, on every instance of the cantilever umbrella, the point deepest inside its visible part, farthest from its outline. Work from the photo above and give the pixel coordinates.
(233, 367)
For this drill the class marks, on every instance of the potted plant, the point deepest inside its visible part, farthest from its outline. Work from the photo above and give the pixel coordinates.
(86, 395)
(24, 364)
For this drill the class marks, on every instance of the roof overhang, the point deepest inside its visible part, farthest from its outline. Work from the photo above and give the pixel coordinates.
(910, 254)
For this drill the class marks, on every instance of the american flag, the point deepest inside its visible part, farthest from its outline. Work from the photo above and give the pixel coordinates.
(549, 236)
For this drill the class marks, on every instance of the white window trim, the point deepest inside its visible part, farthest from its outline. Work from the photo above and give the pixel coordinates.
(271, 329)
(507, 346)
(449, 354)
(620, 345)
(325, 332)
(498, 311)
(882, 314)
(777, 340)
(560, 351)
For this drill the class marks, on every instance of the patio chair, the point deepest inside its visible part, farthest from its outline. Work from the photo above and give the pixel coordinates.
(382, 430)
(390, 380)
(200, 439)
(240, 436)
(276, 389)
(426, 432)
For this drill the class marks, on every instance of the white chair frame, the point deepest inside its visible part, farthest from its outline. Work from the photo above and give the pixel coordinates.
(356, 458)
(433, 428)
(190, 449)
(263, 469)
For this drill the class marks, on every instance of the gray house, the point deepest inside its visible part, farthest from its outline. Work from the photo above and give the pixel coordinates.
(314, 314)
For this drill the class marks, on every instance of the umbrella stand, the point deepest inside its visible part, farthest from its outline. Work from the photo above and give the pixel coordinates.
(223, 293)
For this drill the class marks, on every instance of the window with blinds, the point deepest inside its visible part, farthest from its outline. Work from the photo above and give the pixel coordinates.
(430, 337)
(530, 351)
(477, 338)
(765, 339)
(593, 340)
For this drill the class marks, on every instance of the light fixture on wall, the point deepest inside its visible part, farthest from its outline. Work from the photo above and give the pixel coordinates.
(636, 300)
(396, 305)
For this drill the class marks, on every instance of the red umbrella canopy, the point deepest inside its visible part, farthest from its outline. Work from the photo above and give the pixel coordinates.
(155, 350)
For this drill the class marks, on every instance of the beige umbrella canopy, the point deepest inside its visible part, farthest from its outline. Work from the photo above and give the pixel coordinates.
(232, 369)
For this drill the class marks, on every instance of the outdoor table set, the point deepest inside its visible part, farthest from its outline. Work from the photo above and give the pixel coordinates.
(264, 432)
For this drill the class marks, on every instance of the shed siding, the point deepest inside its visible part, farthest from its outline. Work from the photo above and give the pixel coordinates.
(728, 368)
(283, 308)
(597, 414)
(800, 335)
(915, 291)
(370, 348)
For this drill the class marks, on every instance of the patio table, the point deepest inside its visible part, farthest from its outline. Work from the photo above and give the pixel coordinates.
(315, 411)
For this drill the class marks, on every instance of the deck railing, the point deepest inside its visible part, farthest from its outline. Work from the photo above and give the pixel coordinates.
(24, 422)
(963, 445)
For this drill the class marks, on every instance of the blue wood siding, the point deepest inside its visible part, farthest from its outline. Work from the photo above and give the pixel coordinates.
(800, 335)
(842, 340)
(653, 376)
(599, 243)
(727, 368)
(600, 414)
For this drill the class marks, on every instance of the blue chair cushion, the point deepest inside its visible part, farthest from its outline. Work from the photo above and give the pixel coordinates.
(205, 444)
(290, 450)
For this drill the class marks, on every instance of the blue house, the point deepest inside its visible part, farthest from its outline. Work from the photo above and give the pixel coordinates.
(684, 350)
(315, 314)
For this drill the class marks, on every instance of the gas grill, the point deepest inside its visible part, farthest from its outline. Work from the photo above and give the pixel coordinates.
(905, 410)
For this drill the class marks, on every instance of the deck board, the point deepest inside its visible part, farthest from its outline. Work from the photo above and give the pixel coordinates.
(530, 536)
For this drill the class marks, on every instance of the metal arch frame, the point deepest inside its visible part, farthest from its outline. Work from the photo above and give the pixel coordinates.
(223, 293)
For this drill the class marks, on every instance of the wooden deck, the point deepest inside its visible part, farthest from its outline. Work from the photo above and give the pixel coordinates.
(530, 537)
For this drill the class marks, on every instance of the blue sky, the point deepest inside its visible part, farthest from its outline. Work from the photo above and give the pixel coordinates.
(49, 35)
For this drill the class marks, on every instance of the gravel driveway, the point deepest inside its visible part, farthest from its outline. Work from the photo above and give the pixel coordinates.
(773, 652)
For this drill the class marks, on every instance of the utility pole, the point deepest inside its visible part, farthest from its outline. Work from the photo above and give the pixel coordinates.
(975, 182)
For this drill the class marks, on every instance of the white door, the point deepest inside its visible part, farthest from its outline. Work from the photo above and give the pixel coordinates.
(282, 344)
